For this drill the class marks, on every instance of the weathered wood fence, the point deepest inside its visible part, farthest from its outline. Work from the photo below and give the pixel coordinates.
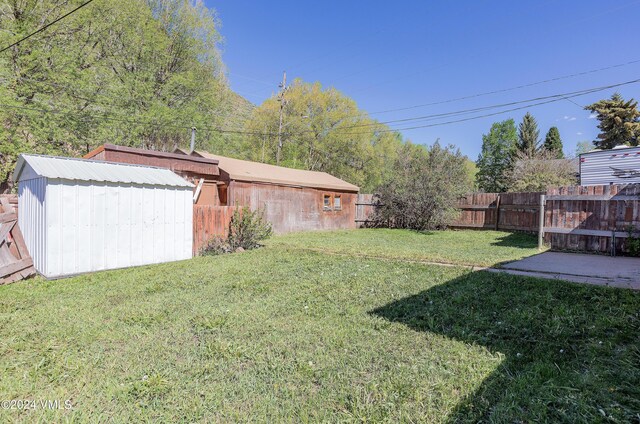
(579, 218)
(591, 218)
(364, 209)
(208, 222)
(15, 261)
(499, 211)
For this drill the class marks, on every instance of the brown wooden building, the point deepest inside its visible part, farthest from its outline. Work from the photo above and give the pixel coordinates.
(292, 199)
(202, 172)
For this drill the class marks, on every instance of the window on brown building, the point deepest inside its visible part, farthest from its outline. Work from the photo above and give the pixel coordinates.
(222, 194)
(327, 202)
(337, 202)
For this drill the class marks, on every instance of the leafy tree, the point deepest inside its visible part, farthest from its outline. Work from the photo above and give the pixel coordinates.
(540, 172)
(553, 143)
(528, 135)
(584, 147)
(424, 189)
(496, 158)
(619, 122)
(323, 130)
(130, 72)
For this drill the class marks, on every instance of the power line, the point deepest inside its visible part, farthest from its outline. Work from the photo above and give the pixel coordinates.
(504, 90)
(46, 26)
(487, 115)
(547, 99)
(556, 97)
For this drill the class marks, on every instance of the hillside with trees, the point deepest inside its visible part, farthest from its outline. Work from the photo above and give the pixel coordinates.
(136, 72)
(142, 73)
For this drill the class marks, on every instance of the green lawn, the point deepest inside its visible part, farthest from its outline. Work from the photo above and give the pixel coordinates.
(482, 248)
(285, 334)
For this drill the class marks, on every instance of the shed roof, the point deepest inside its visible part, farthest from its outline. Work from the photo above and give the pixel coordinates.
(91, 170)
(244, 170)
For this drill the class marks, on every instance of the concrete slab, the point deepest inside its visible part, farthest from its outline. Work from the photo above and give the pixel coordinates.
(584, 268)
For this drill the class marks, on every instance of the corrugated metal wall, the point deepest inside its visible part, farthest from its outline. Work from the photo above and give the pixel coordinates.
(31, 219)
(94, 226)
(615, 166)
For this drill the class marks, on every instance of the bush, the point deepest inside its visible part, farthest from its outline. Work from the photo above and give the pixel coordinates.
(423, 190)
(247, 230)
(540, 172)
(633, 241)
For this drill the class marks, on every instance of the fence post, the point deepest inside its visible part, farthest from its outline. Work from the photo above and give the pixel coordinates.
(497, 212)
(541, 222)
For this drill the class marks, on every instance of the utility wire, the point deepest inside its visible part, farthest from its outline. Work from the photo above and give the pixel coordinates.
(546, 100)
(486, 115)
(557, 97)
(46, 26)
(503, 90)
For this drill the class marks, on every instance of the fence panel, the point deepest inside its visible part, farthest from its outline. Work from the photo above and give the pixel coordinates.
(364, 209)
(209, 221)
(580, 218)
(592, 218)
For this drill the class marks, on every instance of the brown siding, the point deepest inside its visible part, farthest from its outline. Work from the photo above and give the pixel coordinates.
(208, 222)
(183, 167)
(294, 208)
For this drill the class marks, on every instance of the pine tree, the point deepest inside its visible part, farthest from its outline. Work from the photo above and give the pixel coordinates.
(553, 143)
(496, 159)
(528, 135)
(619, 122)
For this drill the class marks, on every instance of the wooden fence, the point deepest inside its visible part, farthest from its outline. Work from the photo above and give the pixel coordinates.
(15, 261)
(209, 221)
(578, 218)
(591, 218)
(499, 211)
(364, 209)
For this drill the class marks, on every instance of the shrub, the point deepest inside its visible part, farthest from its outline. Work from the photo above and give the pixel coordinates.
(540, 172)
(423, 191)
(247, 230)
(633, 241)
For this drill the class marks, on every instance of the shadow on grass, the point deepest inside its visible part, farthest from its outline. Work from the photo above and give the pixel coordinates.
(518, 240)
(572, 353)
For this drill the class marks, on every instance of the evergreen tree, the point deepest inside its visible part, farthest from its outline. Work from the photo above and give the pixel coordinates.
(553, 143)
(528, 135)
(496, 159)
(584, 147)
(619, 122)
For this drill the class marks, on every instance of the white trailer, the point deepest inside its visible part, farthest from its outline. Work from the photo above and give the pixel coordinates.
(620, 165)
(80, 215)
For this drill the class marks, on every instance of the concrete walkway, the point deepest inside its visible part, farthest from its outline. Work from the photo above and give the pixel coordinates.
(620, 272)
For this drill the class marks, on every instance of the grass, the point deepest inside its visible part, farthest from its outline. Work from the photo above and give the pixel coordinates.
(481, 248)
(285, 334)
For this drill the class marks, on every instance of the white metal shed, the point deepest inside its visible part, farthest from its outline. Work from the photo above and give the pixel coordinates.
(81, 215)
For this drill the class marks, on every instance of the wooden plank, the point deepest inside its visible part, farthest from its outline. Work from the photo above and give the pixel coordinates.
(520, 207)
(18, 241)
(8, 216)
(585, 232)
(596, 198)
(5, 228)
(475, 207)
(16, 266)
(497, 213)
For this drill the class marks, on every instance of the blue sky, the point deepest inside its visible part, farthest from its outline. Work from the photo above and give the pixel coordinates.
(389, 55)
